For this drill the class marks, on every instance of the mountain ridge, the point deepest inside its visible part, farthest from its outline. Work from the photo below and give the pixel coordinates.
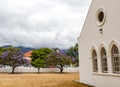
(26, 49)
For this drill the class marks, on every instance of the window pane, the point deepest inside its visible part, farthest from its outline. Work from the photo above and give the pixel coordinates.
(94, 59)
(115, 59)
(104, 60)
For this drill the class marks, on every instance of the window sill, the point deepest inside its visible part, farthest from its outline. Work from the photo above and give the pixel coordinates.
(106, 74)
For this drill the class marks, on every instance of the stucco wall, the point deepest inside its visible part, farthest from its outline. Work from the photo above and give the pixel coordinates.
(92, 38)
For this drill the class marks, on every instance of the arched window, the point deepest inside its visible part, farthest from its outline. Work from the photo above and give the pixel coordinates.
(104, 60)
(115, 59)
(95, 62)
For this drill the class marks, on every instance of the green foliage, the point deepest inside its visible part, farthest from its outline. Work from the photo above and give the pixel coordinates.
(40, 53)
(73, 52)
(2, 50)
(38, 63)
(5, 49)
(39, 56)
(0, 61)
(13, 57)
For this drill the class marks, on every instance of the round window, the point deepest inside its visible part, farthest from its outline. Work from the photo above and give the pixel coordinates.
(100, 17)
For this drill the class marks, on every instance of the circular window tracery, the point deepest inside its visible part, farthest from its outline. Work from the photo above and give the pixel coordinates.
(100, 17)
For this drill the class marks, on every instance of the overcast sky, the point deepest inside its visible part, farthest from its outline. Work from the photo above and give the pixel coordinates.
(41, 23)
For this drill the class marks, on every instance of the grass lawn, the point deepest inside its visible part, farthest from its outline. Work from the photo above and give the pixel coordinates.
(40, 80)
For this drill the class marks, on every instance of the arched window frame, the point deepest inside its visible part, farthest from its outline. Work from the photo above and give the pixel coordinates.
(103, 57)
(94, 60)
(115, 56)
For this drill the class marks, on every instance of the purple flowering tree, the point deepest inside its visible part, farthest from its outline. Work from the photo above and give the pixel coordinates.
(14, 58)
(56, 59)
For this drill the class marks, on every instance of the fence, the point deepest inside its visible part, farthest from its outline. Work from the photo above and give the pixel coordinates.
(32, 69)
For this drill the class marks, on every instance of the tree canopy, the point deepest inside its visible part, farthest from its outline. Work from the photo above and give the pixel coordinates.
(39, 56)
(38, 63)
(40, 53)
(73, 52)
(13, 57)
(58, 60)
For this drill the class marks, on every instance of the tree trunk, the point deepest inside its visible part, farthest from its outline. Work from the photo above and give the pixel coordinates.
(38, 70)
(61, 69)
(13, 69)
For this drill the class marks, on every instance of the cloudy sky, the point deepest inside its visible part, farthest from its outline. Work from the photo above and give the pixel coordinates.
(41, 23)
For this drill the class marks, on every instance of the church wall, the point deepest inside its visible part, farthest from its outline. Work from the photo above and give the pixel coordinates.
(91, 37)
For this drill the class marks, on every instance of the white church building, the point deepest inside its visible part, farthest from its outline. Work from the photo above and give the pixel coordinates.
(99, 45)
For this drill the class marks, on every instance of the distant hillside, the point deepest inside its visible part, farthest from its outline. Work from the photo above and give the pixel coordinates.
(7, 46)
(26, 49)
(23, 49)
(63, 51)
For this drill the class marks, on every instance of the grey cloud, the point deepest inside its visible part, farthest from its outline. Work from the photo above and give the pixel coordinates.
(41, 23)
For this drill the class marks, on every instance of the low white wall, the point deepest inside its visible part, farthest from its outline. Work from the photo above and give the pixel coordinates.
(28, 69)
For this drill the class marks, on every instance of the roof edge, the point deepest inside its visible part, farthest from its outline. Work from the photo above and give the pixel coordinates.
(85, 19)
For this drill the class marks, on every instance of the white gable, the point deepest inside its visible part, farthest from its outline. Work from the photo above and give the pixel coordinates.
(99, 32)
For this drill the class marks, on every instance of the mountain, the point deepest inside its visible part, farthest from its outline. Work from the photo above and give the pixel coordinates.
(6, 46)
(26, 49)
(22, 48)
(63, 51)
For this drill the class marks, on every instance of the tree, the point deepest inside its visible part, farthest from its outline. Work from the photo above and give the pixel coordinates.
(0, 60)
(39, 56)
(58, 60)
(73, 52)
(40, 53)
(1, 51)
(13, 57)
(38, 63)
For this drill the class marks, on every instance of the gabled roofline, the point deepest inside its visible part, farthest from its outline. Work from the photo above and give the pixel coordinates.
(86, 19)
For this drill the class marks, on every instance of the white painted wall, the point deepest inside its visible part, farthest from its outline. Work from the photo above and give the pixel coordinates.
(28, 69)
(91, 37)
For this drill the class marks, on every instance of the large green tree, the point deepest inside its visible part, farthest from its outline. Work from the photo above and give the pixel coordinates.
(38, 63)
(39, 56)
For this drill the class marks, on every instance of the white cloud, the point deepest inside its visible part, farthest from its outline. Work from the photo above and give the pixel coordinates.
(41, 23)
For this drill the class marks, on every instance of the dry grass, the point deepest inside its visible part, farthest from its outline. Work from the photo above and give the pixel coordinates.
(40, 80)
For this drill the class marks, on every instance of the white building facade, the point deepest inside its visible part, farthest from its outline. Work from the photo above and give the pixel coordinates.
(99, 45)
